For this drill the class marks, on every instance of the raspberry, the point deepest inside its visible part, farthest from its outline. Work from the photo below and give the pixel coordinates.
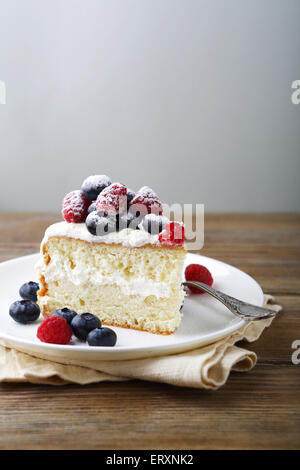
(54, 329)
(197, 272)
(145, 202)
(112, 200)
(173, 234)
(75, 207)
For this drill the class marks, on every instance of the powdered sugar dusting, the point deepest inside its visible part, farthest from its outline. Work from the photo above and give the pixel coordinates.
(113, 199)
(146, 201)
(126, 237)
(148, 194)
(153, 218)
(98, 180)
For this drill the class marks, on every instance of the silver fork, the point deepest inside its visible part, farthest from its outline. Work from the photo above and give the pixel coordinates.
(241, 309)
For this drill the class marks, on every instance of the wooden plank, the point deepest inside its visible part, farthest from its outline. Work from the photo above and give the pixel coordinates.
(275, 344)
(258, 410)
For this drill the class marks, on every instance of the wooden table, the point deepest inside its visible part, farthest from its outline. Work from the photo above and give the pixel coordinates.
(259, 409)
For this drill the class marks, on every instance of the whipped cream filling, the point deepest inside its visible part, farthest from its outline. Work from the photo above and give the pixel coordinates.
(126, 237)
(60, 268)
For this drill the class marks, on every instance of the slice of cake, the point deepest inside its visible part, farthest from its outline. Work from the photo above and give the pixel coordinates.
(115, 256)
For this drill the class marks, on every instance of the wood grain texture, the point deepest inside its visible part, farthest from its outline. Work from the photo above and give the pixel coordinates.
(259, 409)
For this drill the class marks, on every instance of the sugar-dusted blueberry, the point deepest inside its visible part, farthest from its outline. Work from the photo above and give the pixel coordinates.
(92, 207)
(65, 313)
(105, 225)
(102, 337)
(84, 323)
(93, 185)
(154, 224)
(98, 224)
(28, 291)
(24, 311)
(130, 196)
(128, 220)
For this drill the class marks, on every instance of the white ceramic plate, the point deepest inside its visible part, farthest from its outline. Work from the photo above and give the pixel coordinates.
(204, 318)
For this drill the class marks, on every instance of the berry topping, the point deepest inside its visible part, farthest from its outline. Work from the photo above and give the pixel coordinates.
(93, 185)
(75, 207)
(99, 225)
(24, 311)
(102, 337)
(112, 200)
(145, 202)
(92, 207)
(173, 234)
(130, 196)
(54, 329)
(154, 224)
(197, 272)
(28, 291)
(82, 324)
(65, 313)
(128, 220)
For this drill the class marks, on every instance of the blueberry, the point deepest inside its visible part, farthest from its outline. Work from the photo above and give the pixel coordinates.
(24, 311)
(92, 207)
(66, 313)
(84, 323)
(130, 196)
(154, 224)
(127, 220)
(102, 337)
(93, 185)
(28, 291)
(98, 224)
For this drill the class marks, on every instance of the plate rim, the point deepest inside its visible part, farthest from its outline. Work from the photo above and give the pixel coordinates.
(137, 352)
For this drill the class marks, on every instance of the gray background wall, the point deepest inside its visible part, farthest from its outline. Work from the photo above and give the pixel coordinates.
(191, 97)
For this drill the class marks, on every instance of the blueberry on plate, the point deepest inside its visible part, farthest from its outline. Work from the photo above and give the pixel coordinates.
(154, 224)
(93, 185)
(82, 324)
(24, 311)
(102, 337)
(98, 224)
(28, 291)
(65, 313)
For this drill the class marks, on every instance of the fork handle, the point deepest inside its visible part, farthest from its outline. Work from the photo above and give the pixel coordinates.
(239, 308)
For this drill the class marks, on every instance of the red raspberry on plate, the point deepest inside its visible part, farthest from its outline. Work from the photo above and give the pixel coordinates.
(173, 234)
(54, 329)
(197, 272)
(145, 202)
(112, 200)
(75, 207)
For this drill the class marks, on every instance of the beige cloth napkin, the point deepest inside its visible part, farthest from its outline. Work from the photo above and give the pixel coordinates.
(206, 367)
